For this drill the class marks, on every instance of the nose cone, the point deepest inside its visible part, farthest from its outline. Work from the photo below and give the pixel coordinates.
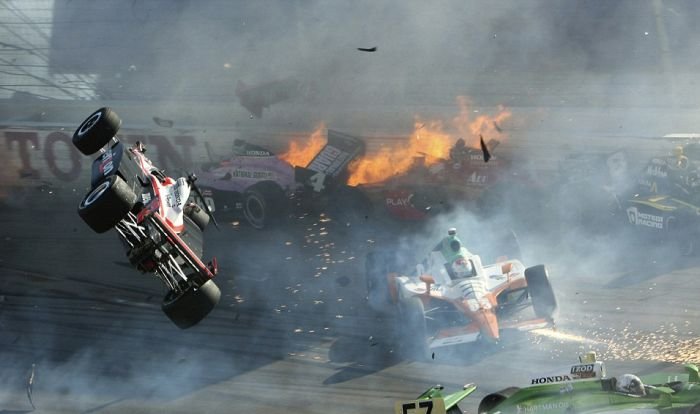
(488, 324)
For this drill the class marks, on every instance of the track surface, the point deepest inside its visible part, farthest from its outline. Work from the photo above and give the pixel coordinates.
(292, 332)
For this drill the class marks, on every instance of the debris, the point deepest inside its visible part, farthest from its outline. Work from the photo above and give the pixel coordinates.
(165, 123)
(484, 149)
(30, 382)
(367, 49)
(498, 127)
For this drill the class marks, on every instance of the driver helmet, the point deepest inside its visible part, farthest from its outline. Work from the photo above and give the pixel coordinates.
(678, 151)
(460, 143)
(630, 384)
(462, 267)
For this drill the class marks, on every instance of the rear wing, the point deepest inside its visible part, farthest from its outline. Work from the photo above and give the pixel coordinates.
(339, 151)
(331, 162)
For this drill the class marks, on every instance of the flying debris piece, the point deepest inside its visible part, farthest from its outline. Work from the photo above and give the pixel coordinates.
(165, 123)
(258, 97)
(484, 149)
(30, 382)
(498, 127)
(367, 49)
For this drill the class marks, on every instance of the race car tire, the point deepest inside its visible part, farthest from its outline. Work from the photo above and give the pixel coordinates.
(413, 331)
(491, 401)
(540, 289)
(262, 204)
(376, 270)
(107, 203)
(187, 308)
(695, 409)
(197, 215)
(96, 131)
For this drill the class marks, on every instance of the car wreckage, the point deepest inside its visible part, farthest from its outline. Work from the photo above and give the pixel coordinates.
(258, 185)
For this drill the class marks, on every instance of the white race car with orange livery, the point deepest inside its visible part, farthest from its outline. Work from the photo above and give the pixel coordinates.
(450, 298)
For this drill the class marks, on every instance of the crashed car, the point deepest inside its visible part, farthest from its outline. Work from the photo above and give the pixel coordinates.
(260, 186)
(450, 298)
(666, 202)
(161, 232)
(585, 388)
(429, 188)
(434, 401)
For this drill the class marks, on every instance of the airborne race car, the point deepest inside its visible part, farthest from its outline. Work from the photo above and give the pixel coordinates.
(450, 298)
(261, 186)
(584, 388)
(161, 232)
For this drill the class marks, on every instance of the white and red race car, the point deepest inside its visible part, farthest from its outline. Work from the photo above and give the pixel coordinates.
(161, 231)
(450, 298)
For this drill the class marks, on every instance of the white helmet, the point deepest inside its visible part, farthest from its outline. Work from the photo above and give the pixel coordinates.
(630, 384)
(462, 267)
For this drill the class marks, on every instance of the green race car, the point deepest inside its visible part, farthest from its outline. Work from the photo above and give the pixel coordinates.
(584, 388)
(433, 401)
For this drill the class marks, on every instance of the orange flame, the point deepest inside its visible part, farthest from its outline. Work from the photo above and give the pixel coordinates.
(430, 141)
(300, 154)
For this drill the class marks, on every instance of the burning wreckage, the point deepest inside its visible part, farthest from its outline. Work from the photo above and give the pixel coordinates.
(262, 187)
(160, 230)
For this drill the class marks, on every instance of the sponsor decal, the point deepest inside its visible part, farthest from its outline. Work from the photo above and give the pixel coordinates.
(399, 201)
(329, 160)
(644, 219)
(475, 178)
(560, 405)
(548, 380)
(257, 153)
(655, 170)
(253, 174)
(583, 371)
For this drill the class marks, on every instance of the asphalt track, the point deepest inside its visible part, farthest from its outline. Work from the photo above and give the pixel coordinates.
(292, 332)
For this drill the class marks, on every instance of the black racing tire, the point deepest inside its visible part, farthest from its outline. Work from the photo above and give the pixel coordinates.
(541, 293)
(263, 203)
(96, 131)
(377, 267)
(491, 401)
(694, 409)
(197, 215)
(413, 330)
(107, 203)
(187, 308)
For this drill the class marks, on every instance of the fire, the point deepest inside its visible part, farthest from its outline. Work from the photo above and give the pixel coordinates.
(301, 154)
(430, 140)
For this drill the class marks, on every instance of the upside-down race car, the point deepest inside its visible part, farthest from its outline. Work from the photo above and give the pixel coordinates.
(435, 402)
(161, 231)
(450, 298)
(584, 388)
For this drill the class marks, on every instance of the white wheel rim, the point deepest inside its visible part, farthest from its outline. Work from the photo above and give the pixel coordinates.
(89, 123)
(96, 193)
(254, 205)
